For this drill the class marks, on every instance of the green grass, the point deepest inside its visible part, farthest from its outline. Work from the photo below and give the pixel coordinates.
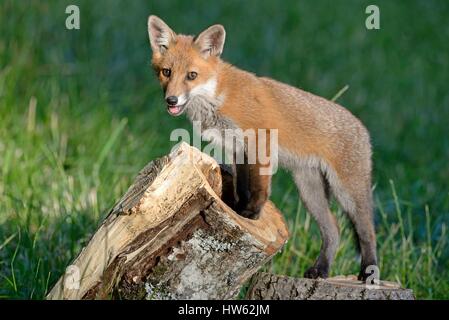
(81, 113)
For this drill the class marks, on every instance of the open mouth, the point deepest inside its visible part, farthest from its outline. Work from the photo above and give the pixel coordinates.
(175, 110)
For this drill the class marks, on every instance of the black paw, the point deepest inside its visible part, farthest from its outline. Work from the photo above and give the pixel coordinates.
(249, 210)
(362, 276)
(316, 272)
(250, 214)
(371, 272)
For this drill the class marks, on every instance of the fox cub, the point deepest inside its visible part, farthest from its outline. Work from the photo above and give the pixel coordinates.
(325, 147)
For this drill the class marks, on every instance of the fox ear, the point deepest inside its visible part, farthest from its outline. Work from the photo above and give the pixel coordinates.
(211, 41)
(160, 34)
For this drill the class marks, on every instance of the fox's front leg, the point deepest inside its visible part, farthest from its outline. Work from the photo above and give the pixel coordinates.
(253, 188)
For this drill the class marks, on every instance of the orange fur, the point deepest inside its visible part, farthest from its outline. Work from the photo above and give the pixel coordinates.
(322, 143)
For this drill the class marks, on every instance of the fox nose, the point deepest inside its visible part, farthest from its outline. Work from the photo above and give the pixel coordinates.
(172, 100)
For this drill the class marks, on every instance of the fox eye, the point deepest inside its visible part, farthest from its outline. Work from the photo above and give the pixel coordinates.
(166, 72)
(192, 75)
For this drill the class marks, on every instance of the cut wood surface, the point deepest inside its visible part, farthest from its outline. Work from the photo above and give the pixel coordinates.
(266, 286)
(171, 236)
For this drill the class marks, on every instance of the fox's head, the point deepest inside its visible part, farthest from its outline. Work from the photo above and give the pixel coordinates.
(185, 65)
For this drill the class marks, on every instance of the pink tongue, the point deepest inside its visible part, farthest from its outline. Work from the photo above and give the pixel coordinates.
(174, 109)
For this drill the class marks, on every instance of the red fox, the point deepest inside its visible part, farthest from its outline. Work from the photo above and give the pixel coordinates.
(326, 148)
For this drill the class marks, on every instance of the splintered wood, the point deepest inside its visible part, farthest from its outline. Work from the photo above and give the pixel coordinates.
(171, 236)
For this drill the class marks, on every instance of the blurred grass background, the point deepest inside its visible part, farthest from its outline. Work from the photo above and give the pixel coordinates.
(81, 113)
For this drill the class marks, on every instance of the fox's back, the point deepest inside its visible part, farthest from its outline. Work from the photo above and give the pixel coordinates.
(312, 124)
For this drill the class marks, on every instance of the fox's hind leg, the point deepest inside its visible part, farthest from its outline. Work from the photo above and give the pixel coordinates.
(313, 192)
(355, 196)
(362, 219)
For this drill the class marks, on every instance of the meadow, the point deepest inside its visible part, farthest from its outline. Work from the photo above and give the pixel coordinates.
(81, 113)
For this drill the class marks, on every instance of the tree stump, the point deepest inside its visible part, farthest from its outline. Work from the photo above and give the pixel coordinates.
(266, 286)
(172, 236)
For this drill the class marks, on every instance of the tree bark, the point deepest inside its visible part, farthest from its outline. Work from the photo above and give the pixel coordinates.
(266, 286)
(171, 236)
